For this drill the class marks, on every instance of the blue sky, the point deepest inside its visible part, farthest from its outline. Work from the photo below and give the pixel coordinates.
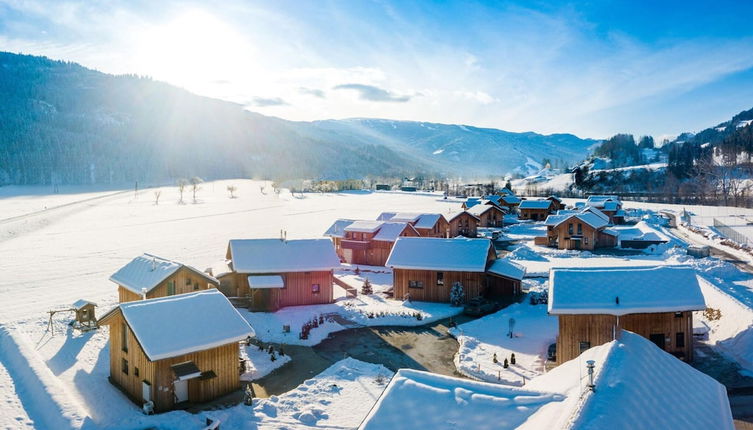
(590, 68)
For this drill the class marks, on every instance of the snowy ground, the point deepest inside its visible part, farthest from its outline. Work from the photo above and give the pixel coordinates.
(54, 257)
(259, 362)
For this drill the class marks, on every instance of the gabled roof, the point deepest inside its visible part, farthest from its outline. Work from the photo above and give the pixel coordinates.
(220, 268)
(493, 198)
(599, 201)
(425, 253)
(386, 216)
(555, 198)
(452, 216)
(510, 199)
(481, 209)
(639, 290)
(176, 325)
(472, 201)
(337, 229)
(587, 217)
(507, 268)
(611, 206)
(596, 212)
(147, 271)
(642, 232)
(406, 217)
(390, 231)
(421, 400)
(637, 385)
(364, 226)
(81, 303)
(266, 256)
(427, 221)
(535, 204)
(265, 281)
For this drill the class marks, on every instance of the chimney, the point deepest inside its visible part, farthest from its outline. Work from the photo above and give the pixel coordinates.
(590, 367)
(281, 237)
(285, 236)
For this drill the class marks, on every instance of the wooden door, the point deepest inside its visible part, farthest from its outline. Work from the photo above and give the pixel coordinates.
(658, 339)
(181, 391)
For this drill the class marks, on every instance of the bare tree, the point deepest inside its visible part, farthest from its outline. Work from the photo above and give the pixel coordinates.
(231, 189)
(195, 186)
(182, 183)
(157, 195)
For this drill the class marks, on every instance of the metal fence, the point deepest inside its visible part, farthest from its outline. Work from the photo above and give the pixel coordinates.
(731, 233)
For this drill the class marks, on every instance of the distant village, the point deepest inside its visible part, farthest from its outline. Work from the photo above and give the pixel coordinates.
(175, 335)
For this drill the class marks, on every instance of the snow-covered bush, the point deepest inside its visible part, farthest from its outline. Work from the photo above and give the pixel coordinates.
(456, 294)
(366, 288)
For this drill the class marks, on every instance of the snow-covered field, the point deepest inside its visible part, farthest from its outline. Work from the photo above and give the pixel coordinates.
(53, 257)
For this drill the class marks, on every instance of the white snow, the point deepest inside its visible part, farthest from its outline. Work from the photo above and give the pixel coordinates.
(624, 290)
(390, 231)
(265, 281)
(337, 229)
(259, 362)
(144, 272)
(280, 256)
(425, 253)
(207, 320)
(507, 268)
(416, 399)
(535, 204)
(479, 340)
(364, 226)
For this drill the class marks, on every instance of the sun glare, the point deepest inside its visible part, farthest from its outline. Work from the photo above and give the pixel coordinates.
(194, 50)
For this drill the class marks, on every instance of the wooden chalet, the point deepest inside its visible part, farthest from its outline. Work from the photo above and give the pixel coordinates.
(426, 224)
(274, 273)
(594, 304)
(148, 277)
(578, 230)
(503, 278)
(336, 232)
(609, 205)
(463, 223)
(171, 351)
(368, 242)
(488, 215)
(426, 268)
(535, 210)
(557, 203)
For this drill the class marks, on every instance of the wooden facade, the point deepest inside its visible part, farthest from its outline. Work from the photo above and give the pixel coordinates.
(557, 203)
(144, 380)
(492, 217)
(300, 288)
(501, 286)
(184, 280)
(361, 248)
(463, 224)
(534, 214)
(576, 234)
(671, 331)
(439, 229)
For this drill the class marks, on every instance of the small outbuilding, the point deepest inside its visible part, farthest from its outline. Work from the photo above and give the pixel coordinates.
(535, 210)
(85, 315)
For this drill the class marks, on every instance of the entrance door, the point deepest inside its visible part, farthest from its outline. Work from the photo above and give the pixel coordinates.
(181, 391)
(658, 339)
(146, 391)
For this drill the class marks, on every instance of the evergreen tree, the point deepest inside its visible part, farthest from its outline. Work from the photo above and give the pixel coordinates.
(366, 288)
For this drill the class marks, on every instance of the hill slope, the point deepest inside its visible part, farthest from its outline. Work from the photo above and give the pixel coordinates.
(63, 123)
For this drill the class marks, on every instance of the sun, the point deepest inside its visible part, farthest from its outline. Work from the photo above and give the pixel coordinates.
(194, 50)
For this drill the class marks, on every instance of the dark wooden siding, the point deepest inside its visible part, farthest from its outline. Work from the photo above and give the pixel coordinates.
(182, 278)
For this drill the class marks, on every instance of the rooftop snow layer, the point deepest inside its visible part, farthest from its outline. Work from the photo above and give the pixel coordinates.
(426, 253)
(637, 386)
(480, 209)
(426, 221)
(364, 226)
(390, 231)
(265, 256)
(639, 289)
(415, 399)
(507, 268)
(81, 303)
(406, 217)
(220, 268)
(535, 204)
(386, 216)
(337, 229)
(265, 281)
(643, 232)
(147, 271)
(177, 325)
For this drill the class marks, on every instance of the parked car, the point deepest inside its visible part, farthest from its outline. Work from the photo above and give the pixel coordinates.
(479, 306)
(551, 353)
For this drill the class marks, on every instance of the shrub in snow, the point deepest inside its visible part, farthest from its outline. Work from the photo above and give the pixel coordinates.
(505, 364)
(456, 294)
(494, 359)
(712, 314)
(512, 358)
(366, 287)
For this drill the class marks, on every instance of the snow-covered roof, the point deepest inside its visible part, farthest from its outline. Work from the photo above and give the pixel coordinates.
(337, 229)
(587, 217)
(416, 399)
(264, 256)
(599, 201)
(611, 206)
(81, 303)
(176, 325)
(472, 201)
(555, 220)
(406, 217)
(510, 199)
(637, 385)
(507, 268)
(265, 281)
(555, 198)
(220, 268)
(390, 231)
(427, 253)
(386, 216)
(147, 271)
(641, 232)
(364, 226)
(639, 290)
(535, 204)
(596, 212)
(493, 198)
(426, 221)
(452, 216)
(481, 209)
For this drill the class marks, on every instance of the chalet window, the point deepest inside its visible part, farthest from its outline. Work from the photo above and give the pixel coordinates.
(580, 228)
(570, 228)
(124, 338)
(678, 314)
(315, 288)
(415, 284)
(585, 240)
(196, 286)
(124, 366)
(171, 288)
(680, 339)
(188, 281)
(584, 346)
(440, 278)
(135, 371)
